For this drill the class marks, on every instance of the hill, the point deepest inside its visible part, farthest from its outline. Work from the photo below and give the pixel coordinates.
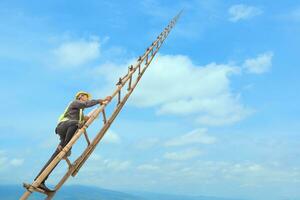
(79, 192)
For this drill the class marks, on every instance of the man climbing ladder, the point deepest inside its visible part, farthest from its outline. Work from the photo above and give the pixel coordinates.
(131, 79)
(72, 119)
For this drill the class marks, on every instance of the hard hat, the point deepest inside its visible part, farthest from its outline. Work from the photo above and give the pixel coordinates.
(83, 92)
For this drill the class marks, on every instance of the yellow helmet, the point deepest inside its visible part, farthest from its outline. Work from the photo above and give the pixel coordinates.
(83, 92)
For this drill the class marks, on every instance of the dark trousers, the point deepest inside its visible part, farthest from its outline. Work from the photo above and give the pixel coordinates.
(65, 130)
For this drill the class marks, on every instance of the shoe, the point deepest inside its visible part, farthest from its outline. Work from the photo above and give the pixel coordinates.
(68, 153)
(60, 148)
(44, 187)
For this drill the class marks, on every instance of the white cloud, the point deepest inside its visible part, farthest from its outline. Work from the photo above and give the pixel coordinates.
(240, 173)
(94, 157)
(76, 53)
(3, 158)
(255, 168)
(148, 167)
(116, 165)
(147, 143)
(261, 64)
(99, 164)
(16, 162)
(5, 162)
(197, 136)
(242, 12)
(111, 137)
(174, 85)
(182, 155)
(293, 15)
(240, 168)
(178, 87)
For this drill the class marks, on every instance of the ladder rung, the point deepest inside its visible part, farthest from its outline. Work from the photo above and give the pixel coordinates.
(86, 137)
(139, 69)
(119, 97)
(104, 116)
(31, 187)
(68, 162)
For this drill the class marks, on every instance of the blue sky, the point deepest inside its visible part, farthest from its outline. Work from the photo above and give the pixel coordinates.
(215, 114)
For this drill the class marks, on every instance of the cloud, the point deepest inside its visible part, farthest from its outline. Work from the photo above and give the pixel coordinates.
(182, 155)
(3, 158)
(261, 64)
(197, 136)
(112, 165)
(243, 174)
(95, 157)
(147, 143)
(148, 167)
(16, 162)
(76, 53)
(241, 12)
(6, 162)
(293, 15)
(116, 165)
(174, 85)
(111, 137)
(98, 164)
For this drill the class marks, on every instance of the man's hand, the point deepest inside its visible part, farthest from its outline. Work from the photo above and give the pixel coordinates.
(105, 101)
(108, 98)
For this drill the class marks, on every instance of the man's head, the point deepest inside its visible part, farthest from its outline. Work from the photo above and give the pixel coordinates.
(82, 96)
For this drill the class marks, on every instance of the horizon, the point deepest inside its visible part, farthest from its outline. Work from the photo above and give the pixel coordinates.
(73, 191)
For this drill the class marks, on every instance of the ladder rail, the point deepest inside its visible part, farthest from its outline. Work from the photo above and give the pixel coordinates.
(88, 151)
(78, 163)
(124, 100)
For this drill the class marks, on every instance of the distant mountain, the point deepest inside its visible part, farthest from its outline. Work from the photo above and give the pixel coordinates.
(78, 192)
(158, 196)
(73, 192)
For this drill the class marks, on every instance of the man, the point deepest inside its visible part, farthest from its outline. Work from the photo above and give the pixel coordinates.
(69, 122)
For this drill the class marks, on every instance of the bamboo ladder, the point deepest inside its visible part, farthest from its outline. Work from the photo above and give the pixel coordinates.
(134, 72)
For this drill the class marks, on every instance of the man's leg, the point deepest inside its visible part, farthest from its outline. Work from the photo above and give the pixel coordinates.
(46, 165)
(70, 133)
(61, 131)
(65, 137)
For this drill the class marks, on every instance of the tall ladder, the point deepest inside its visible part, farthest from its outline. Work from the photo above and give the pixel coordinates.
(131, 79)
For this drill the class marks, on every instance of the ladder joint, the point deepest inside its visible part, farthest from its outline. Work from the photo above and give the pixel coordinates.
(104, 116)
(86, 137)
(119, 97)
(68, 162)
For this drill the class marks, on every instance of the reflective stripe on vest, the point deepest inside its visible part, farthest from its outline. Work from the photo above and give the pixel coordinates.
(63, 117)
(80, 116)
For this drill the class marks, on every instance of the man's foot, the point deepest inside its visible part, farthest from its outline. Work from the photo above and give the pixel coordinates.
(59, 147)
(68, 153)
(44, 187)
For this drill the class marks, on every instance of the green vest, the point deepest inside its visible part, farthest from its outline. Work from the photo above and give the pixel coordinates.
(63, 117)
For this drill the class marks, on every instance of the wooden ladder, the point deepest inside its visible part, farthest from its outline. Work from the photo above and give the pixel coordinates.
(131, 79)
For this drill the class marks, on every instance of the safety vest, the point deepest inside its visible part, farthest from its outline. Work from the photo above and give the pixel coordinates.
(63, 117)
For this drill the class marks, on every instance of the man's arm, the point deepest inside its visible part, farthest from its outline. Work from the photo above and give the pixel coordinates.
(89, 103)
(86, 104)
